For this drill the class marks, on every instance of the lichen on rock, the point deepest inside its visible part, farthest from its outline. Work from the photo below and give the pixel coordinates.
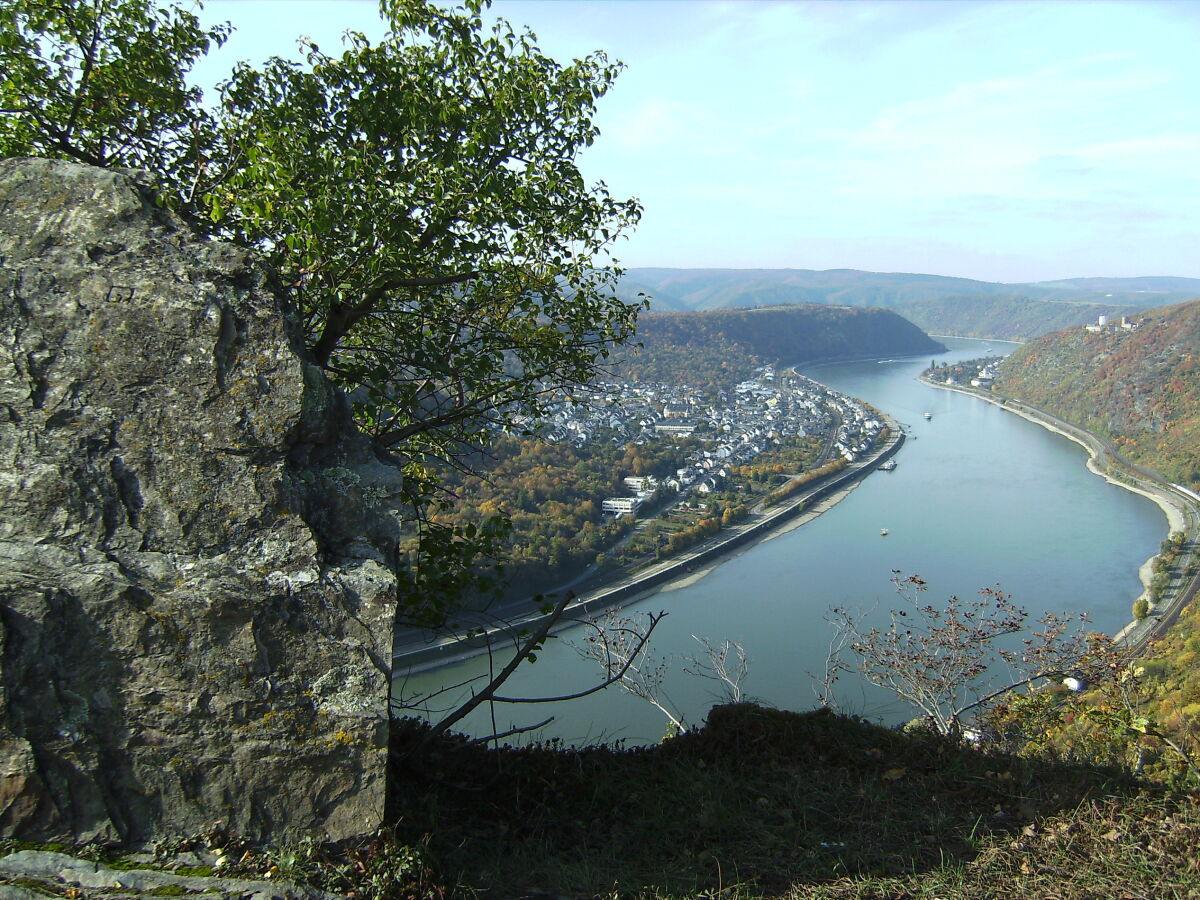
(179, 577)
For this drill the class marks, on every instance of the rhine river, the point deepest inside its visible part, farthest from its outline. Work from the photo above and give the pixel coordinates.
(979, 498)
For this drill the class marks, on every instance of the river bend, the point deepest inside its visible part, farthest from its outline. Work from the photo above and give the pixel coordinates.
(979, 498)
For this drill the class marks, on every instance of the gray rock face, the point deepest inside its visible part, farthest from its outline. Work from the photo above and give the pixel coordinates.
(56, 871)
(195, 603)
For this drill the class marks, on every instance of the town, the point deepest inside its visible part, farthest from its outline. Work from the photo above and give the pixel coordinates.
(738, 425)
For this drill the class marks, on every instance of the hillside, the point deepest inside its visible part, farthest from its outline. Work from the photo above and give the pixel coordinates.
(937, 303)
(764, 803)
(1139, 388)
(999, 317)
(714, 347)
(720, 288)
(553, 486)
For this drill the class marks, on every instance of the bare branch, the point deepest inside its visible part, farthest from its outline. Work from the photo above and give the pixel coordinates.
(522, 729)
(415, 702)
(720, 668)
(618, 644)
(643, 638)
(531, 644)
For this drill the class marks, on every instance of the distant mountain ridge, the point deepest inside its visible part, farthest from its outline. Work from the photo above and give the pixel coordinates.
(937, 303)
(695, 289)
(1140, 388)
(1150, 284)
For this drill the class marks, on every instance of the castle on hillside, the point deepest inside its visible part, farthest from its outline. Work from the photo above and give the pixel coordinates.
(1102, 325)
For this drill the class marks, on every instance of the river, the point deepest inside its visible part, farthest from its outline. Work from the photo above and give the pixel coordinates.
(979, 498)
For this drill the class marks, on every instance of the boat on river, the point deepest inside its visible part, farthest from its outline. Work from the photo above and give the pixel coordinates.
(888, 466)
(928, 416)
(883, 532)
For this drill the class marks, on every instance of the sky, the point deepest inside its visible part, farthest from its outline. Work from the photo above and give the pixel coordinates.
(1003, 141)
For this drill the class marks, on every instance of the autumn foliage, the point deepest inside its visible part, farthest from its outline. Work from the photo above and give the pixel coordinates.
(1139, 388)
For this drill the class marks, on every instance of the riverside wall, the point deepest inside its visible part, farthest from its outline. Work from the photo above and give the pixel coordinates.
(450, 650)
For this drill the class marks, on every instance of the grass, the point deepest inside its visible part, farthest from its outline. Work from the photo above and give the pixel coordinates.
(1140, 846)
(763, 803)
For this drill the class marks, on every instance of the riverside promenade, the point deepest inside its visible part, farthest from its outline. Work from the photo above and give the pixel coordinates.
(1181, 510)
(417, 651)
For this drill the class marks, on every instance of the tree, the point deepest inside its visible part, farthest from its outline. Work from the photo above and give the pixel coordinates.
(726, 664)
(420, 198)
(423, 199)
(618, 644)
(103, 82)
(952, 660)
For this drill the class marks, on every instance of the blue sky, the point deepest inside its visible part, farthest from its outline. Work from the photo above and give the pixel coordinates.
(1005, 141)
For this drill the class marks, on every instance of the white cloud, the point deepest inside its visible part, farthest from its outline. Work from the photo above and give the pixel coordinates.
(652, 122)
(1143, 150)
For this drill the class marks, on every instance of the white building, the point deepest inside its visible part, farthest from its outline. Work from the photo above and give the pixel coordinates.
(620, 505)
(639, 482)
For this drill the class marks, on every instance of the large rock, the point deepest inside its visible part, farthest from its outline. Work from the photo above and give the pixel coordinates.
(195, 598)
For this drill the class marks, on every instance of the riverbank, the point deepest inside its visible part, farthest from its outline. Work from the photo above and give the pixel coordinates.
(779, 530)
(416, 656)
(967, 337)
(1181, 512)
(1166, 499)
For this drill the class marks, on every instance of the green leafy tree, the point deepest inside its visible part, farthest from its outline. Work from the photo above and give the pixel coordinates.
(420, 198)
(103, 82)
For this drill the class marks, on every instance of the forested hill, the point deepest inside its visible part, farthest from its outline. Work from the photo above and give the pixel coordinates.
(1005, 318)
(1140, 387)
(713, 347)
(695, 289)
(938, 304)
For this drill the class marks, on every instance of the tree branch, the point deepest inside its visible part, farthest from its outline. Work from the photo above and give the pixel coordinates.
(522, 729)
(89, 62)
(343, 317)
(1012, 686)
(533, 642)
(613, 679)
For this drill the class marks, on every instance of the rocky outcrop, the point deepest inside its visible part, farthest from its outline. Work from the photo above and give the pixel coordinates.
(195, 603)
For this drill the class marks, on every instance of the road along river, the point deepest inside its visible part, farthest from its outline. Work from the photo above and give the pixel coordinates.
(979, 497)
